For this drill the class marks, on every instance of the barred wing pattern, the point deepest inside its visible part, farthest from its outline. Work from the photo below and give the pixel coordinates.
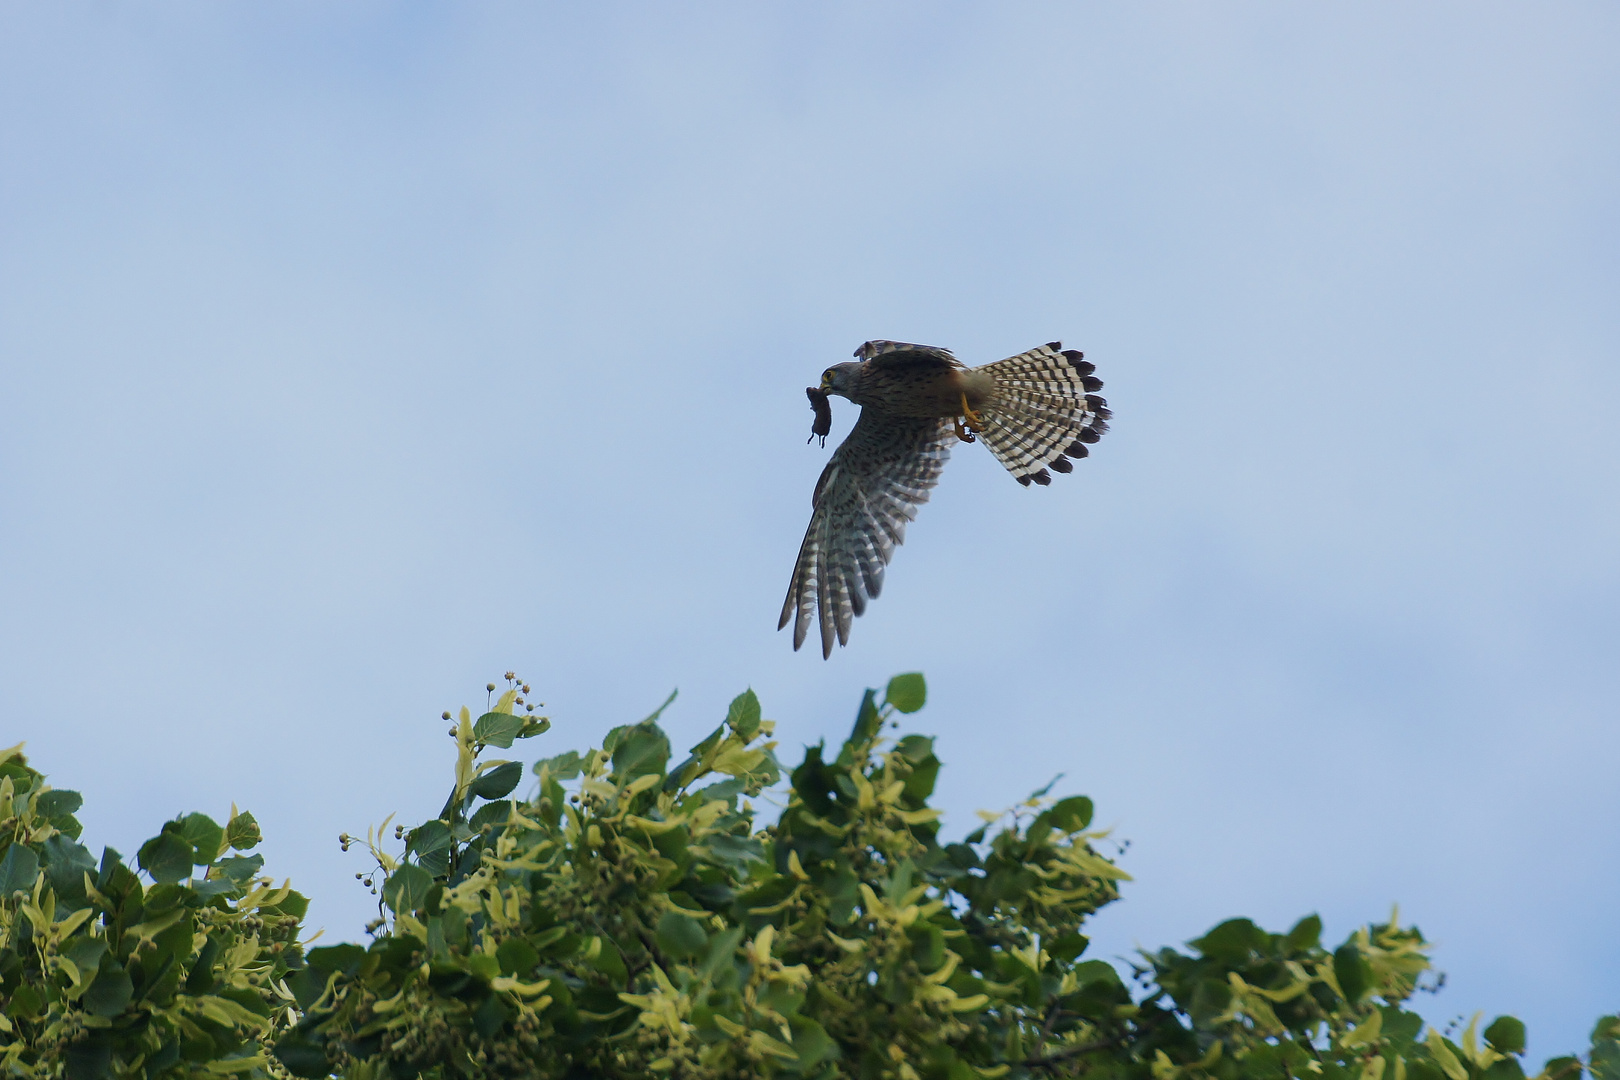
(1043, 411)
(869, 490)
(883, 353)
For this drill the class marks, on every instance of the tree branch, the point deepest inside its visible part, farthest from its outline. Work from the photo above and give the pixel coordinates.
(1057, 1057)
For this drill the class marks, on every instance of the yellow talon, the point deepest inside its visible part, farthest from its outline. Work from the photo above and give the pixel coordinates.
(974, 423)
(961, 432)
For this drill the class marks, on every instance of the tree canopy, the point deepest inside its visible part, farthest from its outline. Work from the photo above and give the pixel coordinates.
(634, 915)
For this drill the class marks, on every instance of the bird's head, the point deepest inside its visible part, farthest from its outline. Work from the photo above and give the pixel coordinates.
(840, 379)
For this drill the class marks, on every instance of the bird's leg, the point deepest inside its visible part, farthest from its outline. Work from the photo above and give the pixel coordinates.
(974, 422)
(961, 432)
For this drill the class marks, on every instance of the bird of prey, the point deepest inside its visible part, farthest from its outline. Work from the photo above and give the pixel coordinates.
(1033, 411)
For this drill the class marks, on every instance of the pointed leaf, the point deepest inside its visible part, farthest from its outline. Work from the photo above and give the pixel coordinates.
(743, 715)
(206, 838)
(18, 870)
(498, 782)
(242, 832)
(498, 728)
(167, 857)
(406, 889)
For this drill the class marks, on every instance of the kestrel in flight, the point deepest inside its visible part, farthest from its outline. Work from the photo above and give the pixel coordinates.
(1034, 411)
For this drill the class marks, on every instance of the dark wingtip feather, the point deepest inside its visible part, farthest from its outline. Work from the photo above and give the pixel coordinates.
(1078, 361)
(1091, 382)
(1056, 346)
(1042, 478)
(1090, 435)
(1022, 480)
(1078, 450)
(1060, 464)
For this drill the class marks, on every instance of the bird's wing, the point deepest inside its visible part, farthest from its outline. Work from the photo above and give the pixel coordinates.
(894, 354)
(869, 490)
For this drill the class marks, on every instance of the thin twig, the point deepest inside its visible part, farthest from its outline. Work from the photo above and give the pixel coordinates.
(1046, 1027)
(1057, 1057)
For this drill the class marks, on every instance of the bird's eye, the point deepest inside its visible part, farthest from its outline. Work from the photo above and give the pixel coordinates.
(826, 378)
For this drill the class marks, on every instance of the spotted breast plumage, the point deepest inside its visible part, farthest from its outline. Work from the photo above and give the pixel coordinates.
(1034, 412)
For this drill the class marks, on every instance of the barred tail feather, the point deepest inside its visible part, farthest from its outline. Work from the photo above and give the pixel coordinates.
(1043, 412)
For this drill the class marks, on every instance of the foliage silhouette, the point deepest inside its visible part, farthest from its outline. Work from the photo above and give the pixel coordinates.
(630, 916)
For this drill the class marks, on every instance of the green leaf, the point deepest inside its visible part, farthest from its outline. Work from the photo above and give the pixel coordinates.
(656, 713)
(27, 1001)
(1306, 934)
(497, 729)
(18, 870)
(743, 715)
(722, 949)
(218, 886)
(67, 861)
(812, 1043)
(242, 832)
(1505, 1035)
(1352, 972)
(491, 813)
(1041, 792)
(165, 897)
(843, 893)
(491, 1016)
(167, 856)
(680, 936)
(295, 905)
(1094, 974)
(868, 722)
(406, 889)
(239, 868)
(916, 748)
(735, 851)
(498, 781)
(86, 953)
(89, 1059)
(1068, 946)
(562, 767)
(927, 945)
(517, 957)
(608, 961)
(1604, 1060)
(1070, 815)
(431, 842)
(303, 1056)
(1232, 942)
(201, 978)
(343, 958)
(641, 750)
(110, 993)
(57, 804)
(165, 1058)
(205, 837)
(907, 693)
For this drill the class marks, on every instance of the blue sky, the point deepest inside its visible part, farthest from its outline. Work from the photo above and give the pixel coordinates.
(353, 355)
